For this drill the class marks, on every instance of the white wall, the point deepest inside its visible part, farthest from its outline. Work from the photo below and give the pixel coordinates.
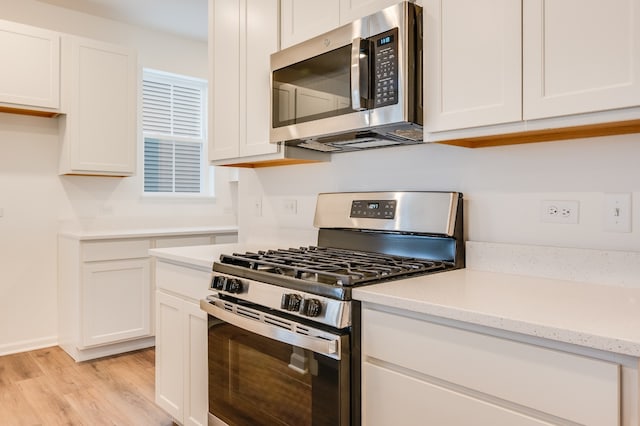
(503, 188)
(36, 202)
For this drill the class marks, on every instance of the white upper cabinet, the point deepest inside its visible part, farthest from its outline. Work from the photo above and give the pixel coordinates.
(472, 63)
(304, 19)
(30, 71)
(579, 59)
(580, 56)
(100, 98)
(351, 10)
(244, 34)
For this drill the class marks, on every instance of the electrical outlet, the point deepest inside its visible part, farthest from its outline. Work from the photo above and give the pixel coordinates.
(290, 206)
(257, 206)
(560, 211)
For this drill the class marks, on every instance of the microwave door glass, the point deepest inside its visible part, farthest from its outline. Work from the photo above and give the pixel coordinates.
(313, 89)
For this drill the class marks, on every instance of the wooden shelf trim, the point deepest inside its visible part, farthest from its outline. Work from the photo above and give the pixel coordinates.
(548, 135)
(272, 163)
(36, 113)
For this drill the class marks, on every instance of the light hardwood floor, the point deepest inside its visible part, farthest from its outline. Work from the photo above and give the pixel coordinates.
(47, 387)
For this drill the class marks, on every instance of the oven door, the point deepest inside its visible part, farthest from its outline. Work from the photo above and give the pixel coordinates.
(268, 370)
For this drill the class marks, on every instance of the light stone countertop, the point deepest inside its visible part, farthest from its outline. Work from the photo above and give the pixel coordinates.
(103, 234)
(585, 314)
(595, 316)
(200, 256)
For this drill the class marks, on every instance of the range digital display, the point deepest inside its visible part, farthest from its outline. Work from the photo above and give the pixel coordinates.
(373, 209)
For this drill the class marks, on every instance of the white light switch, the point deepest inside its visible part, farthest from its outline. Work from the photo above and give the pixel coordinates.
(1, 212)
(617, 212)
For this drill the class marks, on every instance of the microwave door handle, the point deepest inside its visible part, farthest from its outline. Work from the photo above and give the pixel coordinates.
(356, 71)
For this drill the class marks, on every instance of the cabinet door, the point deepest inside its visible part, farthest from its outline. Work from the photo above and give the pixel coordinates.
(244, 34)
(100, 85)
(30, 71)
(115, 299)
(196, 402)
(304, 19)
(351, 10)
(259, 41)
(224, 96)
(170, 354)
(389, 398)
(472, 63)
(580, 56)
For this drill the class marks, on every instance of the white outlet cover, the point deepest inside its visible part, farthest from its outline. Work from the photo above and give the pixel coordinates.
(617, 212)
(560, 211)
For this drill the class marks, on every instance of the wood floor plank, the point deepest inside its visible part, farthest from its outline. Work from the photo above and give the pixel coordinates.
(129, 401)
(136, 375)
(16, 367)
(47, 387)
(92, 406)
(52, 358)
(40, 392)
(15, 409)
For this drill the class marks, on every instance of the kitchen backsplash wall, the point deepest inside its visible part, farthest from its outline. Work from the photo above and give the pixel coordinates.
(35, 202)
(503, 188)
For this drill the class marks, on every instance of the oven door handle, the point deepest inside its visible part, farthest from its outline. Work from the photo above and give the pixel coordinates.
(315, 344)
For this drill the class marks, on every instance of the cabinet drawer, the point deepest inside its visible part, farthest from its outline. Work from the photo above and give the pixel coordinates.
(572, 387)
(194, 240)
(418, 403)
(115, 249)
(188, 282)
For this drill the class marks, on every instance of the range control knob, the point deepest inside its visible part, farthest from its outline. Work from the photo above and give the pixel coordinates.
(311, 307)
(291, 302)
(233, 285)
(218, 282)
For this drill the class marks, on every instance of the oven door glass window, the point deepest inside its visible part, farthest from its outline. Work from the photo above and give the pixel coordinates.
(254, 380)
(313, 89)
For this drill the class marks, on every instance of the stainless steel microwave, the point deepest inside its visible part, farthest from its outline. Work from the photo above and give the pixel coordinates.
(356, 87)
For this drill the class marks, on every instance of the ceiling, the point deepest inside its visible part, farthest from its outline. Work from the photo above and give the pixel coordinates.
(187, 18)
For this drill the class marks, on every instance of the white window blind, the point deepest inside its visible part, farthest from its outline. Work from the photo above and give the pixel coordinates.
(173, 122)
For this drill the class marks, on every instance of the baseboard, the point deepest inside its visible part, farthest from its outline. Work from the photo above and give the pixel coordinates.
(28, 345)
(108, 350)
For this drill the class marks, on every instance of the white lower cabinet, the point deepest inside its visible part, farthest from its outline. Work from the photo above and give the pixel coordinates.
(104, 296)
(417, 372)
(115, 301)
(418, 402)
(181, 343)
(105, 293)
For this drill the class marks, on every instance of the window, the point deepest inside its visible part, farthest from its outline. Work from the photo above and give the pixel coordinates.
(174, 134)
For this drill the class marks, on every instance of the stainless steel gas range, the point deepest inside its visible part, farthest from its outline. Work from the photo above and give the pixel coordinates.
(283, 330)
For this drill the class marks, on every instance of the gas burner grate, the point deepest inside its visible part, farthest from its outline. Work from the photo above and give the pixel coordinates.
(332, 265)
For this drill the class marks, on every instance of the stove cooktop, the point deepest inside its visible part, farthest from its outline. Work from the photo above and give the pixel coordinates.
(324, 270)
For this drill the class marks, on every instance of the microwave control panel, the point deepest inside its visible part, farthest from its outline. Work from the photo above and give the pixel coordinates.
(385, 65)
